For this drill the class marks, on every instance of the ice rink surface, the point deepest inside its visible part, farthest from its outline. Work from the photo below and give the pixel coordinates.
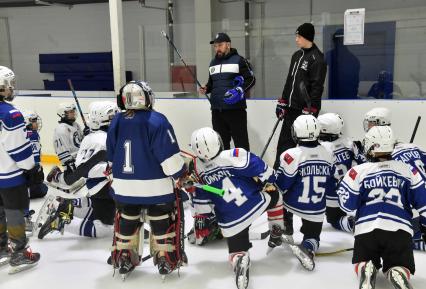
(74, 262)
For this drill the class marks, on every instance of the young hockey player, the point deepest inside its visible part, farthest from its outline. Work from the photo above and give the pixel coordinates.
(347, 155)
(380, 194)
(18, 171)
(33, 124)
(306, 175)
(91, 164)
(242, 176)
(406, 152)
(67, 136)
(143, 150)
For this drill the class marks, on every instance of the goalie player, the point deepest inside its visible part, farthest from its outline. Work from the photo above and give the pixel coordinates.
(143, 150)
(380, 194)
(243, 201)
(96, 220)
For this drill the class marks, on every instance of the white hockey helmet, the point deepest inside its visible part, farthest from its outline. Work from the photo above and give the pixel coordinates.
(63, 110)
(377, 116)
(101, 113)
(206, 143)
(331, 123)
(7, 81)
(137, 95)
(379, 139)
(30, 118)
(305, 128)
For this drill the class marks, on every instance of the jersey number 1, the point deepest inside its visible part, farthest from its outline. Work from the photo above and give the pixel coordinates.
(128, 167)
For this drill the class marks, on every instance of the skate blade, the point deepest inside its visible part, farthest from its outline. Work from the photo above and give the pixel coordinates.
(287, 239)
(304, 260)
(4, 261)
(20, 268)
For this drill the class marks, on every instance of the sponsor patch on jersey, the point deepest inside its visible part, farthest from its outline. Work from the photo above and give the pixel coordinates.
(353, 174)
(288, 159)
(235, 153)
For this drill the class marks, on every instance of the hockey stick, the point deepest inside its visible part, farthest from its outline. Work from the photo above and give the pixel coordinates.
(270, 138)
(305, 94)
(415, 129)
(78, 103)
(324, 254)
(183, 61)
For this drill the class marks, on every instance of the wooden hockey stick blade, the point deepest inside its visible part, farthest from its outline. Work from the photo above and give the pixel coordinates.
(323, 254)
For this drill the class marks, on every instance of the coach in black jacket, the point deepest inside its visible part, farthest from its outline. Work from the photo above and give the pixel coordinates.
(230, 79)
(303, 88)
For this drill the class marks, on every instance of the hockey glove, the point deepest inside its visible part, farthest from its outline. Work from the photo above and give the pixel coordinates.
(311, 110)
(281, 108)
(206, 228)
(234, 95)
(70, 166)
(238, 81)
(54, 174)
(35, 175)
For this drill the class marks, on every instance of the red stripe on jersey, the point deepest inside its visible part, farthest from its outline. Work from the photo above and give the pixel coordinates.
(288, 159)
(353, 174)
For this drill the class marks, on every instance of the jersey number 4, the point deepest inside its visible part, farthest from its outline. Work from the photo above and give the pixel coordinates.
(233, 193)
(318, 191)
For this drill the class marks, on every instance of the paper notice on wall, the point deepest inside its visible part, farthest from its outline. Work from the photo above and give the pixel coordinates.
(354, 26)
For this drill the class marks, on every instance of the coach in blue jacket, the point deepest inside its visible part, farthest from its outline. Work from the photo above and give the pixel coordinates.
(230, 79)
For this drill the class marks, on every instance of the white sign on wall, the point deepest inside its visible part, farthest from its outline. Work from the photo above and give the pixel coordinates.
(354, 26)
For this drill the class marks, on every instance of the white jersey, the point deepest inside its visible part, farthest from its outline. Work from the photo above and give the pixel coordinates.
(347, 156)
(67, 139)
(90, 146)
(16, 154)
(380, 195)
(307, 175)
(411, 154)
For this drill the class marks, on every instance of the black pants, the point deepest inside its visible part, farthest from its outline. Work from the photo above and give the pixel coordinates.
(38, 191)
(231, 124)
(394, 248)
(285, 140)
(103, 206)
(241, 241)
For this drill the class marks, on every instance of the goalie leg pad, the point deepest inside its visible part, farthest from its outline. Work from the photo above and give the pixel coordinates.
(126, 235)
(165, 240)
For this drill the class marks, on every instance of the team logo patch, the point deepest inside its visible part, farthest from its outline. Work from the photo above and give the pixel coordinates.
(304, 65)
(414, 170)
(212, 69)
(352, 174)
(235, 153)
(288, 159)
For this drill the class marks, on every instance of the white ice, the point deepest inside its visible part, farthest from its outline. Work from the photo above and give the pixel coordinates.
(75, 262)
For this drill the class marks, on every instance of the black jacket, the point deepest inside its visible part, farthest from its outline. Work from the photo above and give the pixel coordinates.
(222, 72)
(308, 66)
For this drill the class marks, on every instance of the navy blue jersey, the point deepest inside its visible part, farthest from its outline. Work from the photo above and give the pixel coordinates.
(144, 153)
(306, 175)
(34, 138)
(233, 170)
(16, 153)
(381, 195)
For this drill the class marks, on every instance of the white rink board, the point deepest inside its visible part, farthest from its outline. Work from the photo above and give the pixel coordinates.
(186, 115)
